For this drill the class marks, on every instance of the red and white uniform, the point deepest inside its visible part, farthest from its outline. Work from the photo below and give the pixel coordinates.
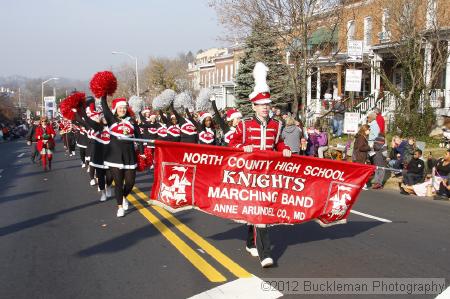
(261, 136)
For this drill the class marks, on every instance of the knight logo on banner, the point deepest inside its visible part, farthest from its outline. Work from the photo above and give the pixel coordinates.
(176, 188)
(261, 187)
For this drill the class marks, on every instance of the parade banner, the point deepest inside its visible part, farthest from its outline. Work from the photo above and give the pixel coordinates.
(260, 188)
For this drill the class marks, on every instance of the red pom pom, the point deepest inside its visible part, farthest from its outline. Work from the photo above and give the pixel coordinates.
(103, 83)
(74, 101)
(141, 162)
(148, 156)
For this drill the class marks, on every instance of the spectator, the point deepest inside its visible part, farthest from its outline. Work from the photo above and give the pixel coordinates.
(291, 135)
(322, 142)
(272, 112)
(32, 141)
(361, 146)
(374, 128)
(415, 169)
(338, 118)
(444, 190)
(380, 120)
(440, 171)
(379, 159)
(408, 152)
(395, 155)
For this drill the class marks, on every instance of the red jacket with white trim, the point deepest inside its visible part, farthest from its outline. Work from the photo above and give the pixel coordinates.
(261, 136)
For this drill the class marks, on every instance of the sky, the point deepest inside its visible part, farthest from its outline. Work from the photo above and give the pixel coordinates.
(74, 39)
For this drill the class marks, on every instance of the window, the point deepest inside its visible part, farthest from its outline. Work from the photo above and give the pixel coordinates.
(367, 33)
(351, 30)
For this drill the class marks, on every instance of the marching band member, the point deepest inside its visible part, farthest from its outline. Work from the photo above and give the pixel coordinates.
(45, 135)
(259, 132)
(228, 128)
(120, 155)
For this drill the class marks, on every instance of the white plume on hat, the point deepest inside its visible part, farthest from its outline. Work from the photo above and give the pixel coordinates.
(203, 103)
(260, 76)
(183, 100)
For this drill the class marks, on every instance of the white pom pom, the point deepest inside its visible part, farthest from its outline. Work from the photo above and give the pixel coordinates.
(163, 100)
(183, 100)
(203, 103)
(157, 104)
(137, 104)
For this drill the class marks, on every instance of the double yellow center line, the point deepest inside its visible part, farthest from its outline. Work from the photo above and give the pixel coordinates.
(191, 255)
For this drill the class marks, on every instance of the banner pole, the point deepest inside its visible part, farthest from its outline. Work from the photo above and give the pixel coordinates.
(136, 139)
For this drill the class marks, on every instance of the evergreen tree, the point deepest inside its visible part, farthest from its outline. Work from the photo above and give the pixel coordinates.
(261, 46)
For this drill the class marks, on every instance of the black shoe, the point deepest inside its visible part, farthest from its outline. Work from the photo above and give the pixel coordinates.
(440, 197)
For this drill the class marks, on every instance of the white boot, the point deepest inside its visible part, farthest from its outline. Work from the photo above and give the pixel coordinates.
(125, 204)
(92, 182)
(108, 191)
(103, 197)
(120, 212)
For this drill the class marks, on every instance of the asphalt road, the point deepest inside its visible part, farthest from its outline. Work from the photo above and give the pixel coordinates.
(58, 241)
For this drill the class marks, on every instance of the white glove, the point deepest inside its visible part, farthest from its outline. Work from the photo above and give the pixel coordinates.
(212, 98)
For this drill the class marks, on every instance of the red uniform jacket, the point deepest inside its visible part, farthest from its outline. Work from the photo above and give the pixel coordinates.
(262, 137)
(40, 137)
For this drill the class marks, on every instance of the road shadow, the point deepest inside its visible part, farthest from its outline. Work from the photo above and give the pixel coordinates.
(119, 243)
(13, 228)
(4, 199)
(282, 236)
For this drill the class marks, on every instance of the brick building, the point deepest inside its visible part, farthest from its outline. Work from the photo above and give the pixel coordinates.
(216, 69)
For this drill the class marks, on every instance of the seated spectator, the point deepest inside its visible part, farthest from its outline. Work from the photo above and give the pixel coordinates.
(408, 152)
(440, 171)
(313, 143)
(379, 159)
(322, 141)
(444, 190)
(415, 169)
(395, 155)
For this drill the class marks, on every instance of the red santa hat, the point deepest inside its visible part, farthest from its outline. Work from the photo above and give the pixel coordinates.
(119, 102)
(261, 91)
(91, 110)
(145, 110)
(232, 114)
(203, 115)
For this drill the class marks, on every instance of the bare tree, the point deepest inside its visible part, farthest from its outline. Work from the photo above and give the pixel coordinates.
(296, 23)
(414, 35)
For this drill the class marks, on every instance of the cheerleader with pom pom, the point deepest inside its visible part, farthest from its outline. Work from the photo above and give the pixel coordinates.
(120, 155)
(206, 131)
(101, 137)
(233, 118)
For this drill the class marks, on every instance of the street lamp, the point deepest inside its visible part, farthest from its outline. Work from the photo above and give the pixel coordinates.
(42, 100)
(136, 64)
